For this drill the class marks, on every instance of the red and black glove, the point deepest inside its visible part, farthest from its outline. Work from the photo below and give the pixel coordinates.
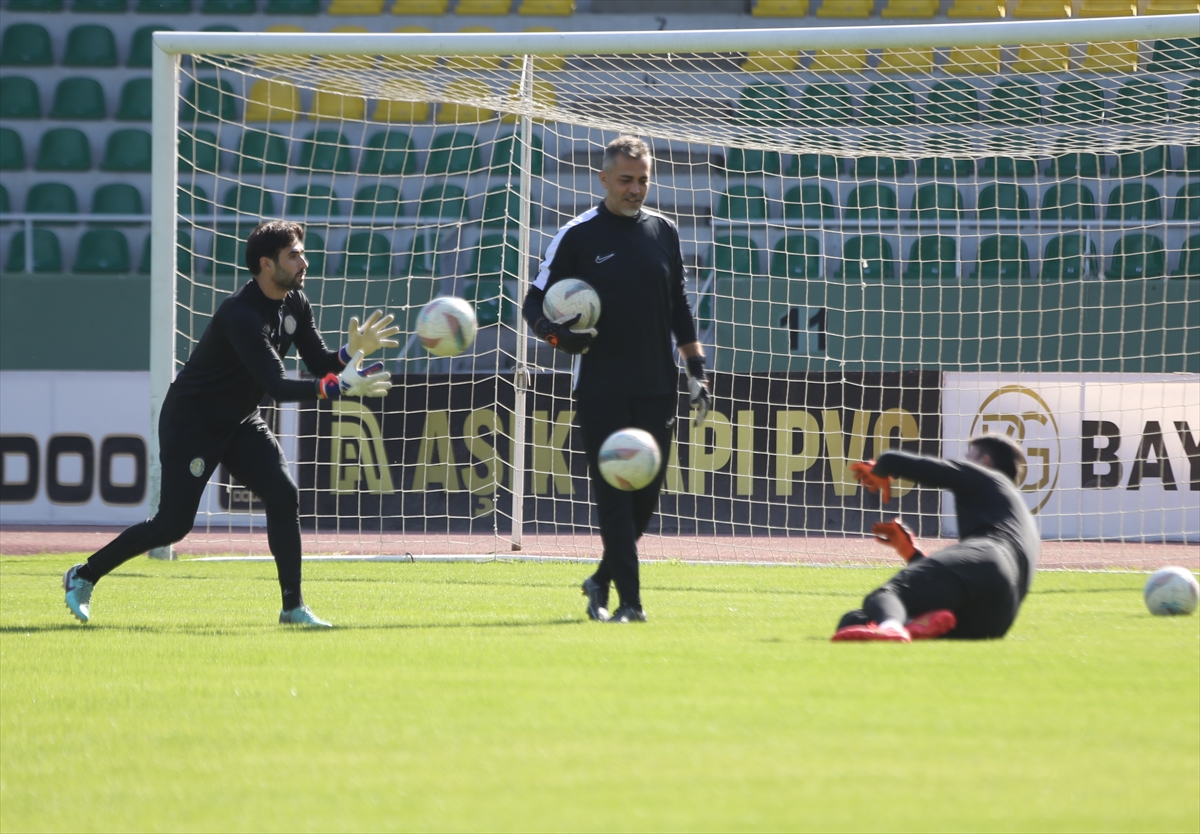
(561, 335)
(894, 533)
(864, 473)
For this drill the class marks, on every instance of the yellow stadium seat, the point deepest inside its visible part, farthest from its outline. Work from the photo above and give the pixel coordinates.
(977, 9)
(1042, 58)
(1107, 8)
(846, 8)
(450, 113)
(1042, 9)
(402, 101)
(1116, 56)
(272, 100)
(543, 93)
(421, 6)
(1172, 7)
(547, 8)
(772, 62)
(340, 99)
(906, 60)
(839, 60)
(910, 8)
(410, 62)
(355, 7)
(483, 7)
(348, 61)
(780, 8)
(973, 60)
(283, 61)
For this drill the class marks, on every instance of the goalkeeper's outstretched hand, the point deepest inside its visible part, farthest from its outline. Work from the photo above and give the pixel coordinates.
(372, 335)
(562, 337)
(355, 381)
(864, 473)
(897, 535)
(698, 396)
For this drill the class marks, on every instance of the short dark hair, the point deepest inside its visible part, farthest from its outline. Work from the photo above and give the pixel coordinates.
(628, 146)
(1007, 456)
(269, 239)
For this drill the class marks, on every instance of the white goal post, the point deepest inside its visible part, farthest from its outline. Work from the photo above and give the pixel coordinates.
(895, 236)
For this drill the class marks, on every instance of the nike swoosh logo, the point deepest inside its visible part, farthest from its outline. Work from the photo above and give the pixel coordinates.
(601, 260)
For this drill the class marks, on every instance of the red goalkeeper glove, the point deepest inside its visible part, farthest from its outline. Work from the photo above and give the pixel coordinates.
(864, 473)
(894, 533)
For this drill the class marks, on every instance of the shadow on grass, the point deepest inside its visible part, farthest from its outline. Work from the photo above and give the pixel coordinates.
(228, 631)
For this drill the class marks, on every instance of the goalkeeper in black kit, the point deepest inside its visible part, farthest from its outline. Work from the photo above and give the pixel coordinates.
(626, 372)
(973, 589)
(210, 414)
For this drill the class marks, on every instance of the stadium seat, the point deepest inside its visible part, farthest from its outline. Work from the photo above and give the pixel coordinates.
(443, 201)
(911, 9)
(248, 199)
(1042, 58)
(1187, 203)
(51, 198)
(937, 201)
(1141, 100)
(19, 98)
(12, 150)
(1134, 201)
(496, 256)
(771, 62)
(26, 45)
(502, 207)
(871, 202)
(763, 104)
(796, 257)
(1003, 201)
(228, 253)
(293, 7)
(135, 105)
(100, 6)
(1114, 56)
(1070, 257)
(141, 45)
(193, 201)
(742, 202)
(35, 5)
(952, 101)
(117, 198)
(1016, 101)
(379, 202)
(880, 167)
(1002, 258)
(1007, 167)
(128, 149)
(453, 152)
(395, 106)
(208, 99)
(973, 60)
(492, 303)
(1172, 7)
(1191, 158)
(1107, 8)
(546, 8)
(78, 99)
(809, 202)
(506, 155)
(451, 113)
(1189, 259)
(839, 60)
(312, 203)
(325, 150)
(889, 103)
(1042, 9)
(780, 8)
(1074, 165)
(1068, 201)
(918, 61)
(90, 45)
(1138, 256)
(339, 100)
(163, 6)
(867, 258)
(976, 9)
(752, 161)
(483, 7)
(812, 165)
(1176, 55)
(5, 202)
(103, 251)
(197, 151)
(183, 255)
(933, 259)
(1188, 108)
(388, 153)
(735, 256)
(64, 149)
(945, 167)
(1077, 101)
(1141, 163)
(421, 255)
(273, 100)
(223, 7)
(825, 104)
(47, 253)
(846, 8)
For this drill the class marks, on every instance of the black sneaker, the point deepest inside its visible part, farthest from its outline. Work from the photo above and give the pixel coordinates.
(597, 607)
(628, 614)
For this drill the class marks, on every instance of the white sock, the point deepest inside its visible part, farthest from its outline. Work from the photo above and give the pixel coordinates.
(891, 625)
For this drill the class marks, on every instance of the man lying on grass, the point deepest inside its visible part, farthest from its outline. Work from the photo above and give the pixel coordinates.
(970, 590)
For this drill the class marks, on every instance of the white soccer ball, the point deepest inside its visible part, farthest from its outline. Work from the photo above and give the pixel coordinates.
(1171, 591)
(446, 326)
(630, 459)
(570, 297)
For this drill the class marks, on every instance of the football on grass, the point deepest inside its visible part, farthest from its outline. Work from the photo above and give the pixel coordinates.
(1171, 591)
(446, 326)
(629, 459)
(572, 297)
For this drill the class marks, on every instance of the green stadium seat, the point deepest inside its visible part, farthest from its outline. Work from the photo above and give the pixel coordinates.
(506, 156)
(420, 256)
(141, 45)
(261, 152)
(12, 150)
(1016, 102)
(1191, 159)
(752, 161)
(763, 104)
(1187, 203)
(1070, 257)
(937, 201)
(1188, 108)
(1141, 163)
(26, 45)
(51, 198)
(1068, 201)
(248, 199)
(809, 202)
(867, 258)
(5, 202)
(35, 5)
(1134, 201)
(812, 165)
(78, 99)
(735, 256)
(933, 259)
(825, 104)
(314, 253)
(325, 150)
(90, 45)
(1077, 101)
(389, 153)
(1003, 201)
(100, 6)
(945, 167)
(164, 6)
(796, 256)
(952, 101)
(502, 206)
(1176, 55)
(871, 202)
(443, 201)
(135, 105)
(1005, 166)
(64, 149)
(1141, 100)
(103, 251)
(312, 203)
(128, 149)
(1074, 165)
(882, 167)
(889, 103)
(496, 256)
(742, 202)
(491, 301)
(380, 202)
(453, 152)
(197, 151)
(183, 254)
(1189, 259)
(19, 98)
(47, 253)
(207, 100)
(117, 198)
(1138, 256)
(193, 201)
(1002, 258)
(228, 253)
(228, 7)
(294, 7)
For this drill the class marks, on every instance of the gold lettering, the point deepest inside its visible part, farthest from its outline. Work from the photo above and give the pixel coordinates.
(485, 453)
(842, 455)
(435, 443)
(787, 462)
(744, 462)
(892, 421)
(548, 458)
(357, 451)
(701, 459)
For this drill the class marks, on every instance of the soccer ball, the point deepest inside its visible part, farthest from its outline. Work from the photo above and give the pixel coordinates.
(629, 459)
(1171, 591)
(446, 326)
(570, 297)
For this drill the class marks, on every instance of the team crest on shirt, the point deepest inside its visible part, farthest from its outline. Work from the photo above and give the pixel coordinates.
(289, 325)
(196, 467)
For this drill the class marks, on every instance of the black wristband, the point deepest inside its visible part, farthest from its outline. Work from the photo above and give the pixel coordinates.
(695, 367)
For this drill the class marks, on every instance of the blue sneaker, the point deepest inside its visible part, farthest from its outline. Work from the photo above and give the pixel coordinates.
(79, 594)
(303, 616)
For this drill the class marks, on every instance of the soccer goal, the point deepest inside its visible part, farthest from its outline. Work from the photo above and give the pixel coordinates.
(896, 236)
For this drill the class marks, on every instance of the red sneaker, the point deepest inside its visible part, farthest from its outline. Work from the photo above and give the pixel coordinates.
(932, 624)
(870, 631)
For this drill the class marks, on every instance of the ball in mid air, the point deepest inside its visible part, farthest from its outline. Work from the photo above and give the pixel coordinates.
(630, 459)
(446, 326)
(1171, 591)
(570, 297)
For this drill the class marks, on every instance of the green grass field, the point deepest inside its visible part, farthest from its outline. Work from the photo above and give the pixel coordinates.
(476, 696)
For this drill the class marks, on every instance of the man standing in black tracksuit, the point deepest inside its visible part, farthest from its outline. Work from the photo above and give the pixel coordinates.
(626, 376)
(210, 413)
(970, 590)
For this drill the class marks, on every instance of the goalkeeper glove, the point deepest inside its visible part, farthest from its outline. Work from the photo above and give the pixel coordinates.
(864, 473)
(353, 381)
(562, 337)
(898, 536)
(698, 396)
(370, 337)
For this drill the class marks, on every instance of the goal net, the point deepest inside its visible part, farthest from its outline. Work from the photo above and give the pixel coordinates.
(896, 237)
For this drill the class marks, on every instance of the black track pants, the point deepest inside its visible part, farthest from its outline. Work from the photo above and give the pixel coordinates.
(624, 516)
(976, 579)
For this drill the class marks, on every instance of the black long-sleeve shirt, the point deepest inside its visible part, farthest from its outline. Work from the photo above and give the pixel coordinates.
(987, 503)
(636, 267)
